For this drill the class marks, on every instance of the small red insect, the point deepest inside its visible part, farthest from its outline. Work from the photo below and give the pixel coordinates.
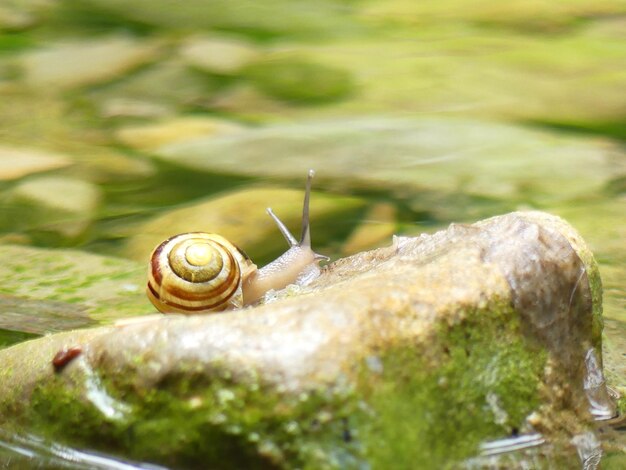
(64, 356)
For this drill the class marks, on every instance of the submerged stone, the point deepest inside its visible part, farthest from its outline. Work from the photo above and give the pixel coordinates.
(378, 226)
(17, 15)
(16, 162)
(147, 137)
(54, 209)
(405, 356)
(479, 159)
(158, 90)
(299, 79)
(295, 17)
(39, 317)
(72, 64)
(66, 289)
(240, 216)
(218, 54)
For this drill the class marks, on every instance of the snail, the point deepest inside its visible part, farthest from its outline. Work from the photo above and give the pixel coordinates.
(201, 272)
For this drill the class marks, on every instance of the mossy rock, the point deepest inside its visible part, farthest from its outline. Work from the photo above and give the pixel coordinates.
(299, 80)
(276, 17)
(490, 161)
(54, 210)
(408, 355)
(67, 285)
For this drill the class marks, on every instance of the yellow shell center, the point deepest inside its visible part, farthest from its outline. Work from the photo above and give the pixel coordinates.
(199, 254)
(196, 260)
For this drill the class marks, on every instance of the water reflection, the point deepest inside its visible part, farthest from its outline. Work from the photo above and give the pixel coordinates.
(18, 451)
(601, 404)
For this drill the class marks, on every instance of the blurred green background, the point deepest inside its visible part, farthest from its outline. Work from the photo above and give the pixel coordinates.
(123, 122)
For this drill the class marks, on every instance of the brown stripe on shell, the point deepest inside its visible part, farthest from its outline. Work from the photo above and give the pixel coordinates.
(155, 269)
(229, 285)
(215, 307)
(181, 292)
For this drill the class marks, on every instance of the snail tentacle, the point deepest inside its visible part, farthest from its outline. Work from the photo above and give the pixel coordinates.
(298, 265)
(283, 228)
(305, 237)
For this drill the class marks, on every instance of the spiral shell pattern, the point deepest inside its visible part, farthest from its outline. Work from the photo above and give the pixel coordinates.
(196, 273)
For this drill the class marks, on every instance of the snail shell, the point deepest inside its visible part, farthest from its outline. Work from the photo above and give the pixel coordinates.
(201, 272)
(196, 272)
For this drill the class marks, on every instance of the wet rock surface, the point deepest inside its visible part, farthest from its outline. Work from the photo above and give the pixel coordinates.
(91, 61)
(103, 288)
(17, 162)
(51, 207)
(218, 55)
(420, 154)
(469, 331)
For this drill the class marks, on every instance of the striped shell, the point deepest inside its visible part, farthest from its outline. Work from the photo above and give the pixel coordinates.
(197, 273)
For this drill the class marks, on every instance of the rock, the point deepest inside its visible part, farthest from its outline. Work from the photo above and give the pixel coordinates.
(36, 121)
(54, 209)
(240, 217)
(406, 356)
(547, 17)
(71, 64)
(587, 216)
(104, 165)
(300, 80)
(148, 137)
(378, 227)
(39, 317)
(16, 15)
(484, 73)
(493, 161)
(295, 17)
(44, 126)
(218, 55)
(607, 244)
(248, 102)
(159, 90)
(112, 108)
(17, 162)
(67, 289)
(14, 20)
(9, 74)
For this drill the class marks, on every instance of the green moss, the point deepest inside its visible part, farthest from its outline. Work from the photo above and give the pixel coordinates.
(11, 42)
(614, 460)
(300, 80)
(59, 410)
(414, 406)
(191, 422)
(478, 381)
(621, 405)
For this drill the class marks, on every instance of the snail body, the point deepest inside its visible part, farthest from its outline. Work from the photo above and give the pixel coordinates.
(201, 272)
